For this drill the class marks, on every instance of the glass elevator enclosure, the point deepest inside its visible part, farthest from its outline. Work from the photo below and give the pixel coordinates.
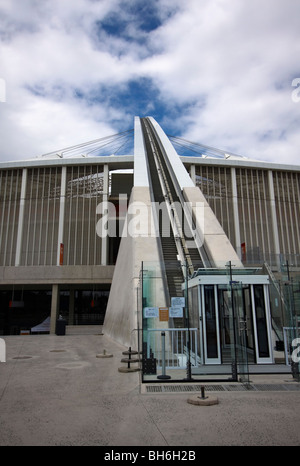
(216, 328)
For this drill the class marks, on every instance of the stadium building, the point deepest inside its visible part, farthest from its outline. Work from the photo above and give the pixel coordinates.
(183, 251)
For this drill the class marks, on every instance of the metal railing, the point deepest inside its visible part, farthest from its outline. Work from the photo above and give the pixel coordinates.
(173, 352)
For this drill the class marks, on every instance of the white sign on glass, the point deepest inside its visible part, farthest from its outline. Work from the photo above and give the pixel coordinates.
(175, 311)
(178, 302)
(150, 312)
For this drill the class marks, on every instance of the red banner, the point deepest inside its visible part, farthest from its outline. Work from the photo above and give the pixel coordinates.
(61, 254)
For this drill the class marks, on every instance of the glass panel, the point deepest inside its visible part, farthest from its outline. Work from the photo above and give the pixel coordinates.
(194, 317)
(250, 343)
(226, 331)
(210, 322)
(239, 328)
(261, 322)
(240, 325)
(155, 321)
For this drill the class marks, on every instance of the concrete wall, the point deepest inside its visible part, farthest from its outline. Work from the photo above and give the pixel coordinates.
(79, 274)
(137, 245)
(216, 243)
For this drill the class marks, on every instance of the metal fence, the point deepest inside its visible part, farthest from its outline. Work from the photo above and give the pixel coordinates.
(170, 346)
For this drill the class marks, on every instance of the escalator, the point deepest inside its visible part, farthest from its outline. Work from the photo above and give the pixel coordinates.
(164, 191)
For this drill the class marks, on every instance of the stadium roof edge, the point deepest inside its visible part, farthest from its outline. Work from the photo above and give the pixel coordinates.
(118, 161)
(127, 161)
(242, 163)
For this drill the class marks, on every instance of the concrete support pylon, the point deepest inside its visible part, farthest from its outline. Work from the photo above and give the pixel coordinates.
(138, 244)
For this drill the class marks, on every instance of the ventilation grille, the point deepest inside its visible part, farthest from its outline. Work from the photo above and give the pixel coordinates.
(221, 388)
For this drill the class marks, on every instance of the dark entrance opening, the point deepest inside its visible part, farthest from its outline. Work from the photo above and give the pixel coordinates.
(23, 308)
(84, 305)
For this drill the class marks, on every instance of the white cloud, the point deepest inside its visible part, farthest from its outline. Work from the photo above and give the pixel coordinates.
(235, 66)
(226, 71)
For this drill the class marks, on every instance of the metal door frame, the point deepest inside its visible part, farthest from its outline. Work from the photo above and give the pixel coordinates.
(206, 359)
(245, 280)
(262, 360)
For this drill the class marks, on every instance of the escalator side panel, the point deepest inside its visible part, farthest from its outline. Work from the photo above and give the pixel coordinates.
(174, 273)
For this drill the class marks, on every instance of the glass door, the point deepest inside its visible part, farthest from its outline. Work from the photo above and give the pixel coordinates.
(225, 319)
(240, 353)
(248, 317)
(262, 324)
(210, 320)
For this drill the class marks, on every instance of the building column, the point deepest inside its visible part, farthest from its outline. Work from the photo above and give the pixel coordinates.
(193, 173)
(104, 239)
(54, 308)
(274, 218)
(60, 238)
(21, 219)
(236, 213)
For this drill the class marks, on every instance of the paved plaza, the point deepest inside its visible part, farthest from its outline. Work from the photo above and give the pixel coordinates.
(54, 390)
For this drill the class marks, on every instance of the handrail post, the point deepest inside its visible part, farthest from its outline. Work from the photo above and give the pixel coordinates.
(163, 361)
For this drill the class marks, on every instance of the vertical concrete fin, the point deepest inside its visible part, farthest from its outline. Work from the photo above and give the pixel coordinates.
(138, 244)
(215, 241)
(140, 163)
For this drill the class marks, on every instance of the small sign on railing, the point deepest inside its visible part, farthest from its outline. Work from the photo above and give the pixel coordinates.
(163, 314)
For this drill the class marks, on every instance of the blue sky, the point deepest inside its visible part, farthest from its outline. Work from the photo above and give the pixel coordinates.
(211, 71)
